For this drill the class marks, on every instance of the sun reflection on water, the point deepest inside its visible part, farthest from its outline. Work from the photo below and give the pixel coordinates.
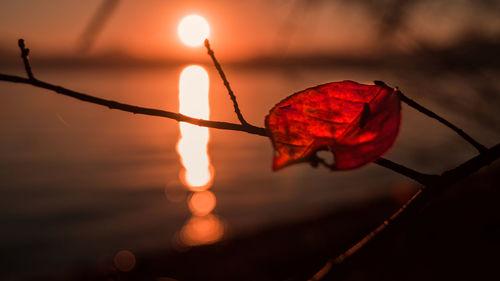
(192, 146)
(201, 230)
(197, 173)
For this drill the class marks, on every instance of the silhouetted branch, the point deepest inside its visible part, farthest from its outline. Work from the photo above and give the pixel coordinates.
(473, 165)
(25, 56)
(332, 264)
(226, 83)
(400, 169)
(481, 148)
(420, 199)
(424, 179)
(96, 24)
(135, 109)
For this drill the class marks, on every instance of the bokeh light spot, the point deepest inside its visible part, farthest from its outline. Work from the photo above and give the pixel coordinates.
(124, 260)
(202, 203)
(202, 230)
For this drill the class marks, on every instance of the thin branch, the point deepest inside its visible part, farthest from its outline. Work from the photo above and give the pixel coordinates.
(481, 148)
(25, 56)
(135, 109)
(334, 263)
(471, 166)
(226, 83)
(420, 199)
(424, 179)
(96, 24)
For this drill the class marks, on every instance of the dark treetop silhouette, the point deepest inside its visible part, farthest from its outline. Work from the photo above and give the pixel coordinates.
(432, 184)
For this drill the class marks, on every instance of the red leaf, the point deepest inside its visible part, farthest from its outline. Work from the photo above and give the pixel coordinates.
(357, 123)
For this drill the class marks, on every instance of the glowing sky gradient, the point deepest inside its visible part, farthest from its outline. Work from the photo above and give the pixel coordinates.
(240, 29)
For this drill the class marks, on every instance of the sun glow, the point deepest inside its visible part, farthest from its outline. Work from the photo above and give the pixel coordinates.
(193, 30)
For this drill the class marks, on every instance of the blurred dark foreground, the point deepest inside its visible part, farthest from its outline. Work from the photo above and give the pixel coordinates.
(456, 237)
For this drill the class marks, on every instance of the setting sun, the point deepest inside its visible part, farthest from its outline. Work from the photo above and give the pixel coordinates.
(193, 30)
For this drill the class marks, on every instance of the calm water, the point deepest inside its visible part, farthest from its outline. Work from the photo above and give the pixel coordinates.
(81, 182)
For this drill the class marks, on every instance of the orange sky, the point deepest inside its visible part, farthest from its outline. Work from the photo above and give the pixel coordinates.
(239, 29)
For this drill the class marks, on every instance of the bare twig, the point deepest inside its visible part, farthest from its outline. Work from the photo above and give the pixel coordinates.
(226, 83)
(96, 24)
(424, 179)
(481, 148)
(25, 56)
(421, 198)
(472, 165)
(135, 109)
(333, 263)
(386, 163)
